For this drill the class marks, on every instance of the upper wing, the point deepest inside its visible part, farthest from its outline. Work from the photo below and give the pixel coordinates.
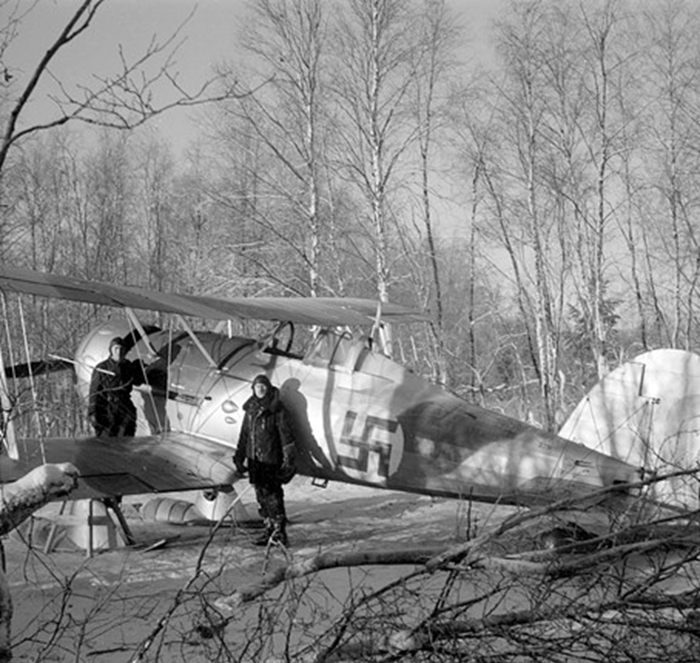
(323, 311)
(129, 466)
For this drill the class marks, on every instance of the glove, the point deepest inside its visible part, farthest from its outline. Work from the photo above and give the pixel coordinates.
(286, 473)
(240, 467)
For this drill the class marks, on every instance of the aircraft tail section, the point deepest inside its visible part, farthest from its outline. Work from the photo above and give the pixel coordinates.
(647, 413)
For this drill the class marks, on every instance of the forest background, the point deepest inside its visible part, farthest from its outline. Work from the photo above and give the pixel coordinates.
(541, 207)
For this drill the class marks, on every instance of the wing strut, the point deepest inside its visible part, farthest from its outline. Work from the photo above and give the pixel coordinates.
(196, 341)
(380, 332)
(136, 323)
(7, 426)
(31, 379)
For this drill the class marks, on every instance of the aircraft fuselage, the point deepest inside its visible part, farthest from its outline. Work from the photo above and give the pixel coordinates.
(360, 417)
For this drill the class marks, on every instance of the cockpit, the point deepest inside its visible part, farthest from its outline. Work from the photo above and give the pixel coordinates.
(338, 351)
(329, 348)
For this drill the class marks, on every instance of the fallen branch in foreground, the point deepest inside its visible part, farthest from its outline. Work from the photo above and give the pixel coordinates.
(537, 563)
(576, 558)
(322, 562)
(18, 501)
(428, 635)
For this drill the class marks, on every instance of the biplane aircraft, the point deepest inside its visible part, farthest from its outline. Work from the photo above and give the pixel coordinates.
(360, 417)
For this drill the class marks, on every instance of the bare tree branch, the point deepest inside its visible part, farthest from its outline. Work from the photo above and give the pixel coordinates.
(123, 101)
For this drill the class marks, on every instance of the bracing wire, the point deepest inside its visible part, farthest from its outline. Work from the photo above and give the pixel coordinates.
(6, 318)
(146, 396)
(169, 359)
(32, 384)
(9, 436)
(159, 414)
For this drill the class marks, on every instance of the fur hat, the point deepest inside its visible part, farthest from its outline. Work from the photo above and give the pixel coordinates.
(262, 379)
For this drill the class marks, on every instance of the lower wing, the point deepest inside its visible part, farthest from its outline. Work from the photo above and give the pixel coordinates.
(168, 462)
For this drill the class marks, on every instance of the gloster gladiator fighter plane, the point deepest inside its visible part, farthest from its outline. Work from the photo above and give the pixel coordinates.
(360, 417)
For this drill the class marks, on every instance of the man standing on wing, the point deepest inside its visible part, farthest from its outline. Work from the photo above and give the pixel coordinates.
(266, 450)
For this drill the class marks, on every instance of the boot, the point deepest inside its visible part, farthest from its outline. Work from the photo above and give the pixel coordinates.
(264, 538)
(279, 533)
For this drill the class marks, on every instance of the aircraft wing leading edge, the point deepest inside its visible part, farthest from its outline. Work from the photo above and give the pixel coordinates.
(324, 311)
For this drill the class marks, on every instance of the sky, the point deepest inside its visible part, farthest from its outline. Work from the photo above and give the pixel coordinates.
(208, 38)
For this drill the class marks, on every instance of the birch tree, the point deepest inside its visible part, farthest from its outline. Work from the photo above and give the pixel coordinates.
(282, 119)
(375, 71)
(670, 207)
(435, 65)
(154, 213)
(530, 215)
(585, 71)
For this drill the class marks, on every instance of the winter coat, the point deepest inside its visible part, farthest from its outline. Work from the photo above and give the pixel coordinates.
(110, 392)
(266, 441)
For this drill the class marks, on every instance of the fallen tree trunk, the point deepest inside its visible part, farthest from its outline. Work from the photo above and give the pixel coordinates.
(18, 501)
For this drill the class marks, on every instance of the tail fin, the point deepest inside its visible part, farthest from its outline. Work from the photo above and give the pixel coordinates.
(647, 413)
